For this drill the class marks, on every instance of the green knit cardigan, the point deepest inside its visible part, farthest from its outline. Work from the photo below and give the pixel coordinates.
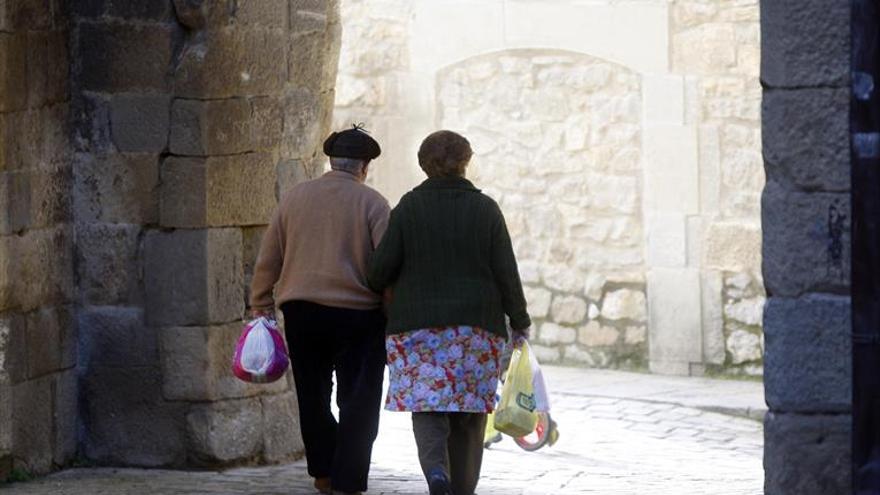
(448, 256)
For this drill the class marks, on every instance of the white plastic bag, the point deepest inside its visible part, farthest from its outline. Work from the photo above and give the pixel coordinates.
(260, 354)
(542, 399)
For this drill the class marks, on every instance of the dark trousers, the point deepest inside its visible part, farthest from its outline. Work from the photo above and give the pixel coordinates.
(453, 443)
(351, 342)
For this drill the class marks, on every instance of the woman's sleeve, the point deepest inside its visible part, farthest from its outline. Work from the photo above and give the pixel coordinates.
(268, 266)
(506, 273)
(386, 260)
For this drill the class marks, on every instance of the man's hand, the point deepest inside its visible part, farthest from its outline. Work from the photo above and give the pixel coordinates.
(260, 313)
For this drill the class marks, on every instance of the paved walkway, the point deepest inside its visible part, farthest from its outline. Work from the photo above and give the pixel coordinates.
(621, 433)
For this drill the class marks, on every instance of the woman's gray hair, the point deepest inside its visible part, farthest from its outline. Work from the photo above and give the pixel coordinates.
(350, 165)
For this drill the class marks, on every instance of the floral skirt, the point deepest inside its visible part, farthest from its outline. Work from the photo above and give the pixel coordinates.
(451, 369)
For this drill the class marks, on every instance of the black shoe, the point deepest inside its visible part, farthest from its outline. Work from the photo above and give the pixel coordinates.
(438, 483)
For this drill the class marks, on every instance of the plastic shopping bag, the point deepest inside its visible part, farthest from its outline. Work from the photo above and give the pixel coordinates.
(542, 400)
(516, 413)
(260, 355)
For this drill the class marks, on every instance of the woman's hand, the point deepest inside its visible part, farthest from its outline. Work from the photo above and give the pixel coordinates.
(519, 336)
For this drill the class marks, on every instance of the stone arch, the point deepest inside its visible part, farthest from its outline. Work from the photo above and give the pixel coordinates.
(556, 136)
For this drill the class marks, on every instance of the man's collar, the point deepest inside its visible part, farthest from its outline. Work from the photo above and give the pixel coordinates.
(341, 174)
(447, 183)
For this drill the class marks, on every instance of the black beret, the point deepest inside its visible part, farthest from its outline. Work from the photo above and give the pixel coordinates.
(352, 143)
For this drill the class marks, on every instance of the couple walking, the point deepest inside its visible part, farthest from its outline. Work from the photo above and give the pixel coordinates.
(441, 263)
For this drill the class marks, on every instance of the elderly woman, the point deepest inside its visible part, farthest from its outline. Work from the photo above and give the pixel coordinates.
(448, 257)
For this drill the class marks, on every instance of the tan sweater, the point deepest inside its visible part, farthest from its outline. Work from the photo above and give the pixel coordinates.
(317, 246)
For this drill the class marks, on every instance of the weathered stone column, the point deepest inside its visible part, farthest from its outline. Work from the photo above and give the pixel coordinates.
(806, 218)
(190, 117)
(38, 410)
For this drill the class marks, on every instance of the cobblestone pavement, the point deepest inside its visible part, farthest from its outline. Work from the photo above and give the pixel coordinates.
(608, 445)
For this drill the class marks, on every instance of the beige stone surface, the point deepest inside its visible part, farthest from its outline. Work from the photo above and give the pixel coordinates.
(568, 309)
(624, 304)
(597, 335)
(552, 334)
(610, 155)
(732, 246)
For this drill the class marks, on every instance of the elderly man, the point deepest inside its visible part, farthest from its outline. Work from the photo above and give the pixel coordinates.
(314, 255)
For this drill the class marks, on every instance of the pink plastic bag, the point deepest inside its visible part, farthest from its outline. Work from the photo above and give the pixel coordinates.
(260, 355)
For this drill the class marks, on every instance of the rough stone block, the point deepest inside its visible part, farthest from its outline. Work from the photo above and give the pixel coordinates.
(90, 126)
(126, 421)
(675, 320)
(547, 354)
(251, 238)
(281, 428)
(805, 43)
(36, 268)
(182, 194)
(58, 67)
(51, 340)
(108, 263)
(568, 309)
(160, 10)
(13, 348)
(806, 138)
(33, 199)
(116, 188)
(124, 56)
(596, 335)
(140, 122)
(266, 13)
(313, 61)
(808, 354)
(814, 225)
(116, 337)
(37, 68)
(13, 72)
(290, 173)
(625, 304)
(233, 62)
(705, 49)
(193, 277)
(225, 127)
(32, 430)
(538, 301)
(218, 191)
(66, 415)
(807, 454)
(552, 334)
(303, 124)
(196, 365)
(731, 246)
(5, 429)
(225, 432)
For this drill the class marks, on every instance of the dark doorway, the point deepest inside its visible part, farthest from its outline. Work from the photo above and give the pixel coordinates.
(865, 128)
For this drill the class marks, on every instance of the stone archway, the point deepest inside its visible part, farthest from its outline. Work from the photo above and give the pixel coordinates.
(557, 142)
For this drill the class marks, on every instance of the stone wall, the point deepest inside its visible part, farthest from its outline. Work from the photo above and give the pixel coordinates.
(38, 401)
(629, 167)
(133, 196)
(556, 143)
(190, 117)
(807, 247)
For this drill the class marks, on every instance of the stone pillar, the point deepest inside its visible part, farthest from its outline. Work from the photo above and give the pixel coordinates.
(38, 409)
(806, 219)
(189, 118)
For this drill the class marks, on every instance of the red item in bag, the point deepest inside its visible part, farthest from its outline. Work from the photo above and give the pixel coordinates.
(261, 354)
